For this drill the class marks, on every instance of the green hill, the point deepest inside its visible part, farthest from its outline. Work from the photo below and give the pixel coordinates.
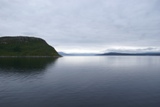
(26, 46)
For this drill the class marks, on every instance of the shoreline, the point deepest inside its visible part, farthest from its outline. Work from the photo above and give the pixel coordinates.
(30, 56)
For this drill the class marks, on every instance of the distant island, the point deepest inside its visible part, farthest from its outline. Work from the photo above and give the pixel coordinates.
(23, 46)
(130, 54)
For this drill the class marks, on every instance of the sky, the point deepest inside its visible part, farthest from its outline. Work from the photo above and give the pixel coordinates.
(85, 26)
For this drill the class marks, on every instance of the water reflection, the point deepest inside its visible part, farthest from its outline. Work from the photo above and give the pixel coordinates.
(25, 65)
(80, 82)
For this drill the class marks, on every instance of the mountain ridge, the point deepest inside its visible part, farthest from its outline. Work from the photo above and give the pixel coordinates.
(131, 54)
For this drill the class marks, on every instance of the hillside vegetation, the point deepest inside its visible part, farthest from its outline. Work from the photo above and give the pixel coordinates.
(25, 46)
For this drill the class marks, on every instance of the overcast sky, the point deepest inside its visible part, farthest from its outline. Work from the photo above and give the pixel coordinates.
(85, 25)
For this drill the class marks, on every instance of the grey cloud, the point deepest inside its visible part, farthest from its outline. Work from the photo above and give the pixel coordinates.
(134, 50)
(96, 23)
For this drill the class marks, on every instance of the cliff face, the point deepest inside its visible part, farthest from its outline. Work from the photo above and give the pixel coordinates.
(25, 46)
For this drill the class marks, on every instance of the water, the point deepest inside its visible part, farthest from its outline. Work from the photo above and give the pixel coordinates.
(98, 81)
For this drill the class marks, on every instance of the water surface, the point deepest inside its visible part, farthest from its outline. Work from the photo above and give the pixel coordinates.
(97, 81)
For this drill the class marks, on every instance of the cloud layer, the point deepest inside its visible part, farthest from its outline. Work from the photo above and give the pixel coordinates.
(84, 24)
(133, 50)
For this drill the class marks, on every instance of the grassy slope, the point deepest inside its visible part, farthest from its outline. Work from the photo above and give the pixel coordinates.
(25, 46)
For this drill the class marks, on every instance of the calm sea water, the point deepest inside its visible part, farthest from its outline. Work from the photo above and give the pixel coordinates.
(97, 81)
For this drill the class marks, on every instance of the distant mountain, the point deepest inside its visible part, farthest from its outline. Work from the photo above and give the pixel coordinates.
(25, 46)
(111, 54)
(63, 54)
(76, 54)
(131, 54)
